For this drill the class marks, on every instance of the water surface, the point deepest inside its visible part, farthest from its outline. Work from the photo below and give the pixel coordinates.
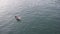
(38, 16)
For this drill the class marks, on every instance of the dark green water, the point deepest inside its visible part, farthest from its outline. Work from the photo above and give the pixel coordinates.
(38, 16)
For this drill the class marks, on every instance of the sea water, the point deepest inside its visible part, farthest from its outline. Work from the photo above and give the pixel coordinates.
(37, 16)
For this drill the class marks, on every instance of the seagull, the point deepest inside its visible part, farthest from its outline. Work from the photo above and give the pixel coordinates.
(17, 18)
